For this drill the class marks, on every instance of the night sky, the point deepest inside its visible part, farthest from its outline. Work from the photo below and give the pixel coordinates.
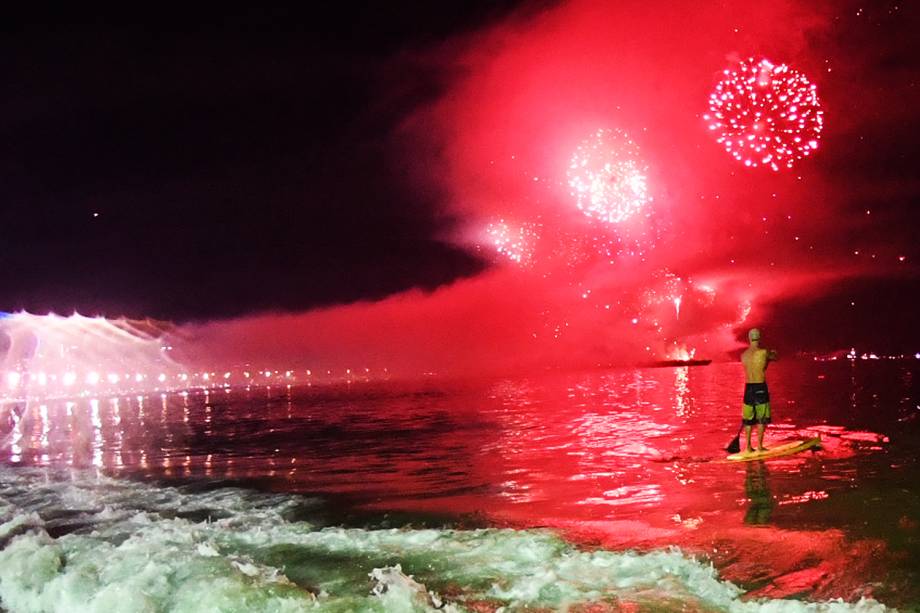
(197, 167)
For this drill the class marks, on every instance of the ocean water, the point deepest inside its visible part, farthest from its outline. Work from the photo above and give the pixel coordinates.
(591, 491)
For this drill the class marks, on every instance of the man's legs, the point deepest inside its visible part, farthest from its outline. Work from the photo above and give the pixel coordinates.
(762, 413)
(747, 416)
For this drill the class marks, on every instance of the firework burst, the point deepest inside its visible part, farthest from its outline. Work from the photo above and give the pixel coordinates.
(766, 114)
(607, 177)
(516, 242)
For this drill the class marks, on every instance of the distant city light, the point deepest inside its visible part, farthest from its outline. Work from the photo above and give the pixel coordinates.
(12, 379)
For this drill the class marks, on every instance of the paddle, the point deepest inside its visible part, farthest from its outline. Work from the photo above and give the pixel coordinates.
(735, 445)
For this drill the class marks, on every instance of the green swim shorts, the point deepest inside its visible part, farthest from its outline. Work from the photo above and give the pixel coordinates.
(756, 414)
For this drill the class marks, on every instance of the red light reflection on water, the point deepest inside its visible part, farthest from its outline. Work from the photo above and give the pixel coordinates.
(628, 458)
(625, 444)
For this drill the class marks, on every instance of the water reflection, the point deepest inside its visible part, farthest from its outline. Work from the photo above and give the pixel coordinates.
(623, 458)
(757, 489)
(641, 445)
(682, 391)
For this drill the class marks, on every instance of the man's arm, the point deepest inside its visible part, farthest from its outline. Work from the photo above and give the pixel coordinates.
(767, 355)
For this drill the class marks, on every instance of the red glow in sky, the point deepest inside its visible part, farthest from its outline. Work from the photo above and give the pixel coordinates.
(670, 252)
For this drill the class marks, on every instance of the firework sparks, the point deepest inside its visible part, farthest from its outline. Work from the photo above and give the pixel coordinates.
(665, 288)
(607, 177)
(766, 114)
(513, 241)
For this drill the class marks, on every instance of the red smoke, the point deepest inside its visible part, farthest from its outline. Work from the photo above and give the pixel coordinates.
(717, 244)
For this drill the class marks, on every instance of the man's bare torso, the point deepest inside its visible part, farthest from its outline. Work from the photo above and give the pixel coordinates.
(755, 361)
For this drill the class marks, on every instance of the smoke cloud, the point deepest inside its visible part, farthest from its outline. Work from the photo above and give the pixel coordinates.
(712, 252)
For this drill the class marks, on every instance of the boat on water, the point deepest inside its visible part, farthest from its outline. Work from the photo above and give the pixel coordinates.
(669, 363)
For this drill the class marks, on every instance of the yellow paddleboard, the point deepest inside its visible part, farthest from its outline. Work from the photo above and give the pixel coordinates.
(787, 448)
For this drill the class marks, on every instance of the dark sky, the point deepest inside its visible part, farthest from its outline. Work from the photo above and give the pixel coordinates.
(200, 165)
(236, 161)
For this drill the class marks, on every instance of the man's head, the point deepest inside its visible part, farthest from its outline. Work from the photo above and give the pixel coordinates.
(754, 335)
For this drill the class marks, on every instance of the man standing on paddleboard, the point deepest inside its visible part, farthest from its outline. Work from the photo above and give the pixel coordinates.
(756, 406)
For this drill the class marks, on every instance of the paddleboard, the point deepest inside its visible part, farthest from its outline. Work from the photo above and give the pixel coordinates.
(787, 448)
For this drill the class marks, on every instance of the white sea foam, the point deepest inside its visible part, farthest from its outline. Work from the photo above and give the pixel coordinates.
(133, 553)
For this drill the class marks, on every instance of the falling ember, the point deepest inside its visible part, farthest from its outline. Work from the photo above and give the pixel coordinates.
(766, 114)
(607, 177)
